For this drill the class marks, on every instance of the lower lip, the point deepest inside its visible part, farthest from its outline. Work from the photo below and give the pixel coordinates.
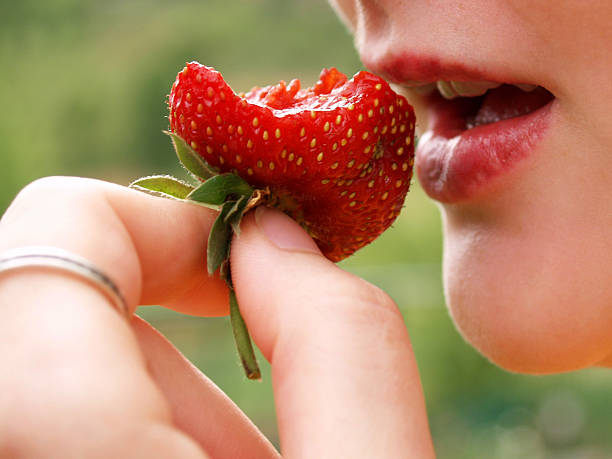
(455, 165)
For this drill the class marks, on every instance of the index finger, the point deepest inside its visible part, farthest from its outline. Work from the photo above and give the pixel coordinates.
(154, 249)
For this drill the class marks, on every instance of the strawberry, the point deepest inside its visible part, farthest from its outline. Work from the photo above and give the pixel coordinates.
(336, 157)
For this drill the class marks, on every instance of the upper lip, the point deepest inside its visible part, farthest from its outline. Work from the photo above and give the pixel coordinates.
(408, 69)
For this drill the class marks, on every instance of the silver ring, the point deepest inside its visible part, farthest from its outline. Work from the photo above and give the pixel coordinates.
(54, 257)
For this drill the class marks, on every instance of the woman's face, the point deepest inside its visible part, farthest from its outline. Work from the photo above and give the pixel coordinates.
(523, 175)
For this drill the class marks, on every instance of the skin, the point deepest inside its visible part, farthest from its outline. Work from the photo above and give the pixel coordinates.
(527, 266)
(526, 276)
(84, 382)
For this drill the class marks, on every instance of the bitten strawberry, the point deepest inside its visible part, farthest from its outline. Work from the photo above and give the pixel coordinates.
(337, 157)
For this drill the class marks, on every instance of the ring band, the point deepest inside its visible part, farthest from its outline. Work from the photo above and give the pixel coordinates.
(53, 257)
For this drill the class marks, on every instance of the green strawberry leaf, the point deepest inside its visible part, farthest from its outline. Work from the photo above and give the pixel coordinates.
(163, 185)
(190, 159)
(219, 240)
(237, 207)
(234, 216)
(217, 189)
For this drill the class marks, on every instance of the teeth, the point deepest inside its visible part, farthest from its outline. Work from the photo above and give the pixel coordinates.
(445, 88)
(424, 89)
(471, 89)
(526, 87)
(412, 83)
(452, 89)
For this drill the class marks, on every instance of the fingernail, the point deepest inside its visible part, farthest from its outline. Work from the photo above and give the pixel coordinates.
(283, 231)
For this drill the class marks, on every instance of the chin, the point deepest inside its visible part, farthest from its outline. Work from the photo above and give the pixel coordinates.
(529, 299)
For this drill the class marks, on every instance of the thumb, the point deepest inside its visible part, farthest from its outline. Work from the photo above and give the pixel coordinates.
(342, 363)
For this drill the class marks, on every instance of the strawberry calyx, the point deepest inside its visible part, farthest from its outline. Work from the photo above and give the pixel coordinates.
(233, 198)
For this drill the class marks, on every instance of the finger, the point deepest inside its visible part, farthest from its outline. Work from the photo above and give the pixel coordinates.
(74, 383)
(78, 382)
(153, 248)
(345, 379)
(199, 408)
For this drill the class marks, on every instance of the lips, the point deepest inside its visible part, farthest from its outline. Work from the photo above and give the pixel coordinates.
(470, 142)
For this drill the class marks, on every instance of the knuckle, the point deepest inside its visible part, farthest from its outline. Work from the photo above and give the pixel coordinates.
(369, 293)
(40, 190)
(46, 193)
(364, 303)
(47, 185)
(335, 316)
(49, 208)
(347, 321)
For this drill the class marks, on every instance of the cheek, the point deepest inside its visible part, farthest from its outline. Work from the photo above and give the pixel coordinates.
(534, 295)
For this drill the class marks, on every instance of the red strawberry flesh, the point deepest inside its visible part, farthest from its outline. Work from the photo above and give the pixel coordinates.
(337, 157)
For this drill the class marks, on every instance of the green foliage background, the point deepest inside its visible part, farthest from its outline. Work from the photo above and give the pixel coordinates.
(83, 85)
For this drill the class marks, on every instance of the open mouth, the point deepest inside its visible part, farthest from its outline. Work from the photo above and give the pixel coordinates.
(469, 105)
(496, 104)
(476, 131)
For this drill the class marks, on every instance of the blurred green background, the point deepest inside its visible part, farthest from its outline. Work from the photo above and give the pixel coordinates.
(83, 85)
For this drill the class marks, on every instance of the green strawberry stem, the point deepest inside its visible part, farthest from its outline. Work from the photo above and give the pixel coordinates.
(218, 255)
(242, 338)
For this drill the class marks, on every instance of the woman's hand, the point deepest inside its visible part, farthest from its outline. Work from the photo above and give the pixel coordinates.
(79, 381)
